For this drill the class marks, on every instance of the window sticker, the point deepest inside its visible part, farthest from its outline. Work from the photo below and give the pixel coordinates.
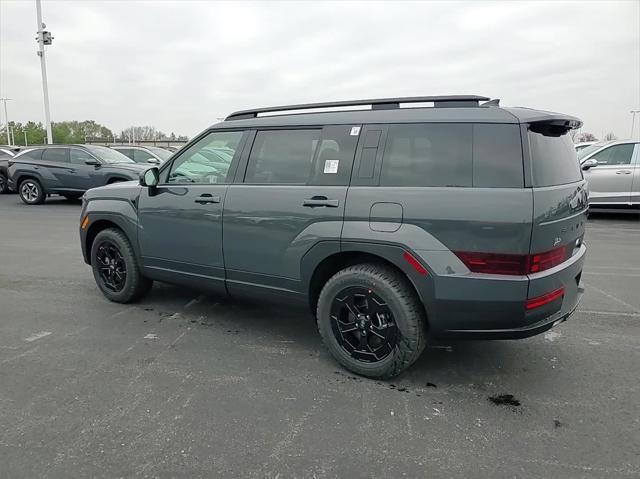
(331, 166)
(355, 130)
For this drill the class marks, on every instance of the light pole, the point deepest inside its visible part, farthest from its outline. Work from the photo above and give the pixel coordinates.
(6, 119)
(44, 38)
(633, 120)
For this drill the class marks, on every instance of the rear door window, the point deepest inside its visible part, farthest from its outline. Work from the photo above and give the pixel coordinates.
(283, 156)
(429, 154)
(553, 159)
(32, 155)
(56, 155)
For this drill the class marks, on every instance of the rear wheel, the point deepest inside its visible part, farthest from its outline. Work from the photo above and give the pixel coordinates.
(31, 192)
(371, 320)
(115, 268)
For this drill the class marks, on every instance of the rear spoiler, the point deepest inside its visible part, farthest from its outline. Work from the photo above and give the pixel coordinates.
(554, 127)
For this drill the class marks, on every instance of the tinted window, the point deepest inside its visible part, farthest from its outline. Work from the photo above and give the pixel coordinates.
(128, 152)
(208, 160)
(78, 156)
(141, 156)
(428, 155)
(615, 155)
(553, 159)
(497, 156)
(32, 155)
(282, 156)
(161, 153)
(108, 155)
(334, 156)
(56, 155)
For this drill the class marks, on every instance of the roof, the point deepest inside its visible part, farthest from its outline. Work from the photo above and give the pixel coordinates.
(449, 109)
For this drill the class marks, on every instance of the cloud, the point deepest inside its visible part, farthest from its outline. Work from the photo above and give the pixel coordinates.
(181, 65)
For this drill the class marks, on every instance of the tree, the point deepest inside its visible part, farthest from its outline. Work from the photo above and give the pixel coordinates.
(586, 137)
(610, 136)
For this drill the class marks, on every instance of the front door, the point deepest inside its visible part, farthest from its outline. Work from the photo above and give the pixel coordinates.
(610, 181)
(180, 221)
(81, 176)
(290, 197)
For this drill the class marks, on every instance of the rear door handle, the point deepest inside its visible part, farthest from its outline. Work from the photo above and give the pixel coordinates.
(623, 172)
(318, 201)
(207, 198)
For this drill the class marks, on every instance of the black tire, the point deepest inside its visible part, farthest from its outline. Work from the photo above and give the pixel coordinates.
(72, 196)
(134, 286)
(31, 191)
(4, 186)
(407, 314)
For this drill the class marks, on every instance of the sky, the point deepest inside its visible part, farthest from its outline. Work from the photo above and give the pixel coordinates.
(181, 65)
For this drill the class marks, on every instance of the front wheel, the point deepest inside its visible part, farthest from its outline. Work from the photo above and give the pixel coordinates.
(115, 268)
(371, 320)
(31, 192)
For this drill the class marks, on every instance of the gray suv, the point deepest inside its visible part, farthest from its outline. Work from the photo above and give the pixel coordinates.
(67, 170)
(395, 225)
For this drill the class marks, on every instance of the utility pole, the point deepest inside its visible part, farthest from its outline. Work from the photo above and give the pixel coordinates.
(44, 38)
(26, 143)
(633, 121)
(6, 119)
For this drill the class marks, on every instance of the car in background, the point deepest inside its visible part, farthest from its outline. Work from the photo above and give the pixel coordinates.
(144, 154)
(6, 153)
(612, 169)
(68, 170)
(583, 145)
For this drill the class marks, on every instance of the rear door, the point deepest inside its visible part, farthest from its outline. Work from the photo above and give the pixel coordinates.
(611, 180)
(55, 163)
(289, 197)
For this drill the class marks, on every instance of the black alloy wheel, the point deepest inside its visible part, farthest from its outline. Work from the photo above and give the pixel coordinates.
(111, 266)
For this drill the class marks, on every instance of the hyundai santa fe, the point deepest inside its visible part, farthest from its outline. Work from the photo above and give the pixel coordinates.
(395, 224)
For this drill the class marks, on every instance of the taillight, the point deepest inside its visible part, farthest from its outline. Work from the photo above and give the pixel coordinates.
(538, 301)
(514, 264)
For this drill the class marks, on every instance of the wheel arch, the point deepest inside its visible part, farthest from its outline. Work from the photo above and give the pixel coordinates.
(357, 253)
(121, 216)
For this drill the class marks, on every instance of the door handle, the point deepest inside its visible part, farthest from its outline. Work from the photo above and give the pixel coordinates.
(623, 172)
(318, 201)
(207, 198)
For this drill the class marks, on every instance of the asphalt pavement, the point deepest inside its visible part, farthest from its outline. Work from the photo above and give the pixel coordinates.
(190, 385)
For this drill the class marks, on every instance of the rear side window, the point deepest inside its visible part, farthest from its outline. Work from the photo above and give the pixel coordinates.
(282, 156)
(32, 155)
(428, 155)
(56, 155)
(553, 159)
(497, 156)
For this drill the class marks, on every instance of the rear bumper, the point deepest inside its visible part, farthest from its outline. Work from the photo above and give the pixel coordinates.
(488, 307)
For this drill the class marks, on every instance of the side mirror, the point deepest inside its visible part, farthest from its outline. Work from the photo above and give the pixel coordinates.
(150, 178)
(91, 161)
(153, 161)
(590, 163)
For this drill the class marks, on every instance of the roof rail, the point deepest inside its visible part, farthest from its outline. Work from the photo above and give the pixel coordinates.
(449, 101)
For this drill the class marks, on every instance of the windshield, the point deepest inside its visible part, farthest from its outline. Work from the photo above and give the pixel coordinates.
(163, 154)
(108, 155)
(588, 150)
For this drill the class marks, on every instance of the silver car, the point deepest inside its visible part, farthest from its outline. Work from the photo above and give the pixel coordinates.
(612, 169)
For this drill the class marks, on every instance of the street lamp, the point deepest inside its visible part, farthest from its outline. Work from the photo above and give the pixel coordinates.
(633, 120)
(44, 38)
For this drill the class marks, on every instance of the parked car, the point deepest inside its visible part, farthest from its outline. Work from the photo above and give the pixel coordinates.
(612, 169)
(583, 145)
(67, 170)
(393, 224)
(144, 154)
(6, 153)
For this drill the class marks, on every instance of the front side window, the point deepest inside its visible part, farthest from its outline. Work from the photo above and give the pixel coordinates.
(128, 152)
(428, 155)
(615, 155)
(141, 156)
(55, 155)
(208, 160)
(282, 156)
(78, 157)
(108, 155)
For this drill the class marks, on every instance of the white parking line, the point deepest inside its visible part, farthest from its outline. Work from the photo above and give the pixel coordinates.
(37, 336)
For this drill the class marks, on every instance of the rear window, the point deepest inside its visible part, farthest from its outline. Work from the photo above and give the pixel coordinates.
(433, 154)
(553, 160)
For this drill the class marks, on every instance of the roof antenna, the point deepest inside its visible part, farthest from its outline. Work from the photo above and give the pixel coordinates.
(494, 102)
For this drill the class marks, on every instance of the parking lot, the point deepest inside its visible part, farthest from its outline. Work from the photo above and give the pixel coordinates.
(184, 384)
